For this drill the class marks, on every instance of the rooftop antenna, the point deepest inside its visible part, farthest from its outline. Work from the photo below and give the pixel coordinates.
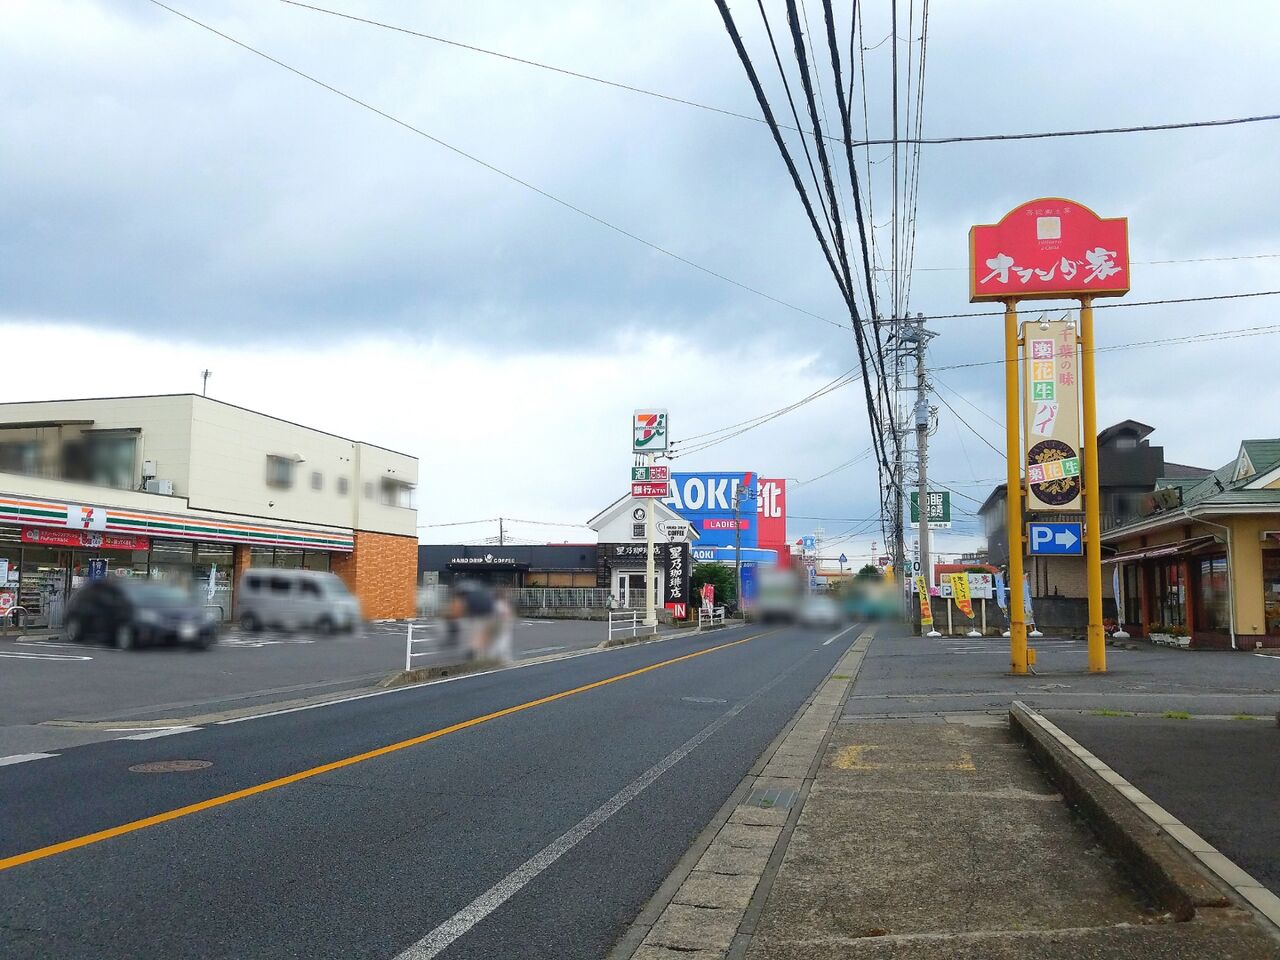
(204, 381)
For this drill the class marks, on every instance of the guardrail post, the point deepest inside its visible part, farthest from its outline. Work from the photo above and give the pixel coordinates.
(408, 648)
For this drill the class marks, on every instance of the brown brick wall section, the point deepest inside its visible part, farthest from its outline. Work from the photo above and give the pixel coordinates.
(382, 572)
(239, 563)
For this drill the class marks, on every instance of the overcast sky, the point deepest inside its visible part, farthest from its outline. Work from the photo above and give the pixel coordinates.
(170, 202)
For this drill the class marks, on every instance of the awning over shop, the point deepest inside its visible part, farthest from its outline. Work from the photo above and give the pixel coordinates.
(1160, 550)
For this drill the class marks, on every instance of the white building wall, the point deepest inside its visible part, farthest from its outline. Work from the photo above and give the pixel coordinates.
(216, 456)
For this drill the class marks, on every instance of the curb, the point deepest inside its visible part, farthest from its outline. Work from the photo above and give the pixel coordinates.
(633, 941)
(1182, 871)
(404, 678)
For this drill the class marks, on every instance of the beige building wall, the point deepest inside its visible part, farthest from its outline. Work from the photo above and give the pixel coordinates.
(216, 454)
(165, 423)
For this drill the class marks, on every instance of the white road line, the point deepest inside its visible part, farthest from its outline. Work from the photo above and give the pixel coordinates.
(440, 939)
(529, 653)
(23, 655)
(164, 732)
(839, 635)
(24, 757)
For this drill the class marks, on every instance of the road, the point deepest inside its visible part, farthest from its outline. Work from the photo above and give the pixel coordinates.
(97, 686)
(909, 675)
(523, 813)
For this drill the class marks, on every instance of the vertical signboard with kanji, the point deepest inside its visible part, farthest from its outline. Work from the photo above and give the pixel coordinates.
(1051, 396)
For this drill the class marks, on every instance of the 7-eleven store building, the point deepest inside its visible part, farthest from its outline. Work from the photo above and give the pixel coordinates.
(235, 489)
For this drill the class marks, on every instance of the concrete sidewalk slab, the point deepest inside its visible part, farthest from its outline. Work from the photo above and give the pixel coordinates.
(945, 840)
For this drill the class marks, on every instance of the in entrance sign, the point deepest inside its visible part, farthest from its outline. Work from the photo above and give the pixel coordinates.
(939, 509)
(1048, 249)
(1055, 539)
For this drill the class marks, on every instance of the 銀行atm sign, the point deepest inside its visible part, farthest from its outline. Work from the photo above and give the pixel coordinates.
(1049, 249)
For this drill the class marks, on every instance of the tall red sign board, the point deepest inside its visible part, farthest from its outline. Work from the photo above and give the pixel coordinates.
(1049, 249)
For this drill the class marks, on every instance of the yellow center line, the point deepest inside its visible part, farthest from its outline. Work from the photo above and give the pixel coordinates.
(64, 846)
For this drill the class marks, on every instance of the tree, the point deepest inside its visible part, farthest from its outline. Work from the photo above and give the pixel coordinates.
(719, 575)
(869, 572)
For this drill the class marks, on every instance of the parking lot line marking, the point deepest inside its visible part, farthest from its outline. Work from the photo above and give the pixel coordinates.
(162, 732)
(54, 657)
(24, 757)
(65, 846)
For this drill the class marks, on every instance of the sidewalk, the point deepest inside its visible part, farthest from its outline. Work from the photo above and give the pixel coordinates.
(942, 839)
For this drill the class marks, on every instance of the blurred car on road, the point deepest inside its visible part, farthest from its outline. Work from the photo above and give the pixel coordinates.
(296, 600)
(820, 611)
(131, 613)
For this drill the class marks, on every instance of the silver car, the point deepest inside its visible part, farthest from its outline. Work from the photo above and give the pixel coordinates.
(296, 600)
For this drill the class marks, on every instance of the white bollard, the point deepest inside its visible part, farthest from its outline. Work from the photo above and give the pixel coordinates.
(408, 648)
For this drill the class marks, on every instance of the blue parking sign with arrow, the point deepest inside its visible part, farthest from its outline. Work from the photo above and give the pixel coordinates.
(1055, 539)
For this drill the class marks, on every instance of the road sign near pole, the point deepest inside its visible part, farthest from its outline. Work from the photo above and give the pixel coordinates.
(1055, 539)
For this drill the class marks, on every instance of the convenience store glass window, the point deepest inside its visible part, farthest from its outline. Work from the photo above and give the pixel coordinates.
(172, 551)
(262, 556)
(315, 560)
(288, 559)
(220, 553)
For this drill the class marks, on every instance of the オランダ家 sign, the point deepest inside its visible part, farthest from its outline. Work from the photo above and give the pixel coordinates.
(1047, 249)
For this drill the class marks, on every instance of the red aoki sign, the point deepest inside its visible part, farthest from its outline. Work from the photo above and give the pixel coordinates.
(90, 539)
(1049, 249)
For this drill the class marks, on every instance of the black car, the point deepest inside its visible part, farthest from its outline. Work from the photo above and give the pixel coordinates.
(130, 613)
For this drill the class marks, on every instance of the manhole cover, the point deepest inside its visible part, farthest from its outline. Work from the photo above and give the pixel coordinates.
(170, 766)
(701, 700)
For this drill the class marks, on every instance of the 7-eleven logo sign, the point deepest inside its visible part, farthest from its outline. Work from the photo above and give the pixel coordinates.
(649, 431)
(86, 518)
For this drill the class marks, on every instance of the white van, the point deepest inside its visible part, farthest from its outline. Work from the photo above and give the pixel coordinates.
(296, 600)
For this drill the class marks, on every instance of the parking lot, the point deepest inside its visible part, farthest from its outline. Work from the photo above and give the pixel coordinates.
(56, 694)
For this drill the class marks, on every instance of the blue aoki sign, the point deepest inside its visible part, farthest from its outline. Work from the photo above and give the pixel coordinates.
(706, 501)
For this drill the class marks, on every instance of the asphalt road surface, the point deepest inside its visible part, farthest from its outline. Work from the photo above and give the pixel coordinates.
(44, 680)
(527, 813)
(1219, 777)
(905, 675)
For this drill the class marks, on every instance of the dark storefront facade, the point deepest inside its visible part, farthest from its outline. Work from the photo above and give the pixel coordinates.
(549, 565)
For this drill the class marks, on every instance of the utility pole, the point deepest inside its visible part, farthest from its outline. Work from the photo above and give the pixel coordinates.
(914, 332)
(502, 535)
(204, 381)
(737, 544)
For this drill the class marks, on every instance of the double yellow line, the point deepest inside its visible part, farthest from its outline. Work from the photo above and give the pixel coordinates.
(132, 826)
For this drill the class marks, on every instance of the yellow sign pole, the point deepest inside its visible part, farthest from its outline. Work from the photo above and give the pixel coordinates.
(1013, 490)
(1092, 511)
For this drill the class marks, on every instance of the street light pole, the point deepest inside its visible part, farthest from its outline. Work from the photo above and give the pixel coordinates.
(650, 600)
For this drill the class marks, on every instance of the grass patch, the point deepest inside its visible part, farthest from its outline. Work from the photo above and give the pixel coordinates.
(841, 676)
(1113, 713)
(1246, 716)
(1176, 715)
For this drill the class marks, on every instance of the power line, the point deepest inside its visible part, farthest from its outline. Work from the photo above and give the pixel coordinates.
(1106, 306)
(495, 169)
(1144, 128)
(968, 425)
(1235, 334)
(1249, 256)
(564, 71)
(957, 393)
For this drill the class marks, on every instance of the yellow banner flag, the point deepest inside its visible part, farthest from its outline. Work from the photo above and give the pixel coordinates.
(926, 611)
(960, 593)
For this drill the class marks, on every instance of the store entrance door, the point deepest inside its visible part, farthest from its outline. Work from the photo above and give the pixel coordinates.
(629, 589)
